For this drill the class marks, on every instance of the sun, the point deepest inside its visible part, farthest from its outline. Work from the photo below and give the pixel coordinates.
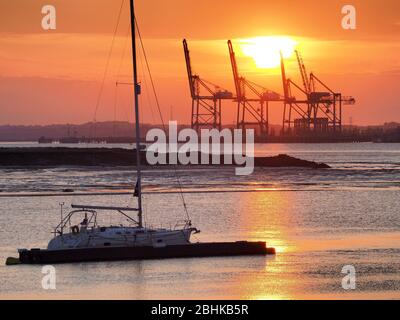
(265, 51)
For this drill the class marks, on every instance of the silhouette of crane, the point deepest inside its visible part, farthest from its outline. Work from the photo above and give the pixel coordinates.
(206, 98)
(251, 111)
(320, 110)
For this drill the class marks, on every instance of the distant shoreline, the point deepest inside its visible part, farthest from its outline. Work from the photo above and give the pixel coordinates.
(270, 139)
(123, 132)
(115, 157)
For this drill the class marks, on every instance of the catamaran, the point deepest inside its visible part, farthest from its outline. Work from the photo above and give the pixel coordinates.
(88, 241)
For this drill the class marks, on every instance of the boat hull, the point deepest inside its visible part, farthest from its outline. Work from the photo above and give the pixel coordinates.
(37, 256)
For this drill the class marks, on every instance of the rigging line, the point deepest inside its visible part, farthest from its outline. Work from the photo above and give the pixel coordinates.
(115, 110)
(146, 87)
(125, 109)
(118, 75)
(123, 52)
(161, 116)
(149, 72)
(108, 61)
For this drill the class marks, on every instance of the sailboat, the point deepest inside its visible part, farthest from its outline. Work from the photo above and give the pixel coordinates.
(88, 241)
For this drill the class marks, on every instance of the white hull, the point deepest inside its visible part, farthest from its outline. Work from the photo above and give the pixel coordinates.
(120, 236)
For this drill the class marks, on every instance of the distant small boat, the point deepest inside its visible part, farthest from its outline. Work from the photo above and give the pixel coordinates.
(88, 241)
(42, 140)
(69, 140)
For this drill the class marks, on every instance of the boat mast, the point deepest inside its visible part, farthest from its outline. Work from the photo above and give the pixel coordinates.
(137, 122)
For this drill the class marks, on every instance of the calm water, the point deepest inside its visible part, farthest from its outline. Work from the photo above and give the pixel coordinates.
(319, 221)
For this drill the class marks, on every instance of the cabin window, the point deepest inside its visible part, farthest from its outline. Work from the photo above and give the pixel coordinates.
(102, 229)
(107, 244)
(159, 241)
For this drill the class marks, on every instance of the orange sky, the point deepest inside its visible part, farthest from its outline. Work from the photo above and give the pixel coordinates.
(55, 76)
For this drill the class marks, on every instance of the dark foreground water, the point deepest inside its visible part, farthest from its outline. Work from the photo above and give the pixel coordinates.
(319, 221)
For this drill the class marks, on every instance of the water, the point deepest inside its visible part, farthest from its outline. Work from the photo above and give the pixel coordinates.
(319, 221)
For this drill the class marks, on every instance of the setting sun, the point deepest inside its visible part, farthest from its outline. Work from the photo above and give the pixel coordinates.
(265, 51)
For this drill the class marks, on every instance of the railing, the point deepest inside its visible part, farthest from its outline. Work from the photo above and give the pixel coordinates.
(183, 224)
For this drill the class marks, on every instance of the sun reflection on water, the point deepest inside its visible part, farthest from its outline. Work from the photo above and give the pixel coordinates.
(265, 218)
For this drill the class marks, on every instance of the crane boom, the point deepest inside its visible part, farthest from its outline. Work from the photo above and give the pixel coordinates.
(189, 69)
(284, 80)
(235, 71)
(303, 72)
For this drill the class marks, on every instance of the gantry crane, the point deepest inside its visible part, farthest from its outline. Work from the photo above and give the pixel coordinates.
(257, 108)
(291, 104)
(320, 111)
(328, 103)
(206, 102)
